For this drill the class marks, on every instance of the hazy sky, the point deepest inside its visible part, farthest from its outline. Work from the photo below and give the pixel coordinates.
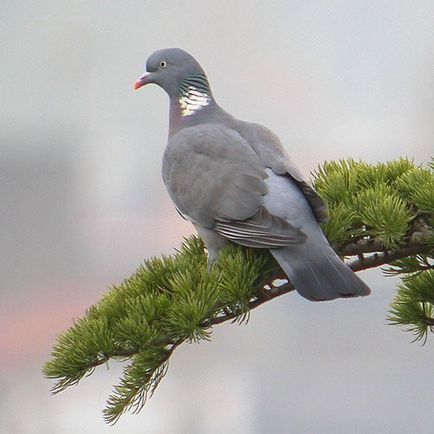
(83, 203)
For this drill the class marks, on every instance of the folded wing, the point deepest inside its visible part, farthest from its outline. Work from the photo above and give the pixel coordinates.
(217, 180)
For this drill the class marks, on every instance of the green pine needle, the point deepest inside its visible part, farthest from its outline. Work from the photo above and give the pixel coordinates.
(167, 301)
(413, 305)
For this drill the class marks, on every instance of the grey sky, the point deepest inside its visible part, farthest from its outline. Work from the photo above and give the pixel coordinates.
(83, 203)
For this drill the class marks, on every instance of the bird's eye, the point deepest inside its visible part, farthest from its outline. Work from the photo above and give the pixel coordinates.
(163, 64)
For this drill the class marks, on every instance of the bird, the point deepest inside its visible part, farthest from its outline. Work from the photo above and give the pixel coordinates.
(235, 182)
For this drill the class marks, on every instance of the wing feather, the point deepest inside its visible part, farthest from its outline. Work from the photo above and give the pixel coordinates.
(263, 230)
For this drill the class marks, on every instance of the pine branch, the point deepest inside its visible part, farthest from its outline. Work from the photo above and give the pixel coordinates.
(359, 264)
(383, 258)
(380, 215)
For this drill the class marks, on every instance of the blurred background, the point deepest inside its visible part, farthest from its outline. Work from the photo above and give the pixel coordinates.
(83, 203)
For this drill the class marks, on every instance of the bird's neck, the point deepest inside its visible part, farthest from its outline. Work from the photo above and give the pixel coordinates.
(193, 95)
(192, 101)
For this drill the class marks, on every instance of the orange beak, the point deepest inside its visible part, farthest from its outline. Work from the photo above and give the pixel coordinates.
(142, 81)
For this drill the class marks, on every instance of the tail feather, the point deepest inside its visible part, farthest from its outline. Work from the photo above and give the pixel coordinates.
(317, 273)
(312, 266)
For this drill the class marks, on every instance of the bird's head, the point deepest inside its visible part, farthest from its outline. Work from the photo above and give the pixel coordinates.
(168, 68)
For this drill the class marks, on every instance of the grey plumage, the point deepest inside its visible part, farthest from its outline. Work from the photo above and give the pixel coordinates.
(234, 181)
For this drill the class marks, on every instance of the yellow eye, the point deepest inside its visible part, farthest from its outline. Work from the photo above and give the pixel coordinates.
(163, 64)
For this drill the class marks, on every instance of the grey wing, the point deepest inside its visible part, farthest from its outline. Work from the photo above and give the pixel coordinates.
(271, 152)
(216, 179)
(263, 230)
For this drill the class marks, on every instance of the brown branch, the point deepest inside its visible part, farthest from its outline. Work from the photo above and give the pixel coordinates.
(428, 321)
(362, 246)
(262, 295)
(372, 245)
(378, 259)
(362, 263)
(265, 295)
(165, 341)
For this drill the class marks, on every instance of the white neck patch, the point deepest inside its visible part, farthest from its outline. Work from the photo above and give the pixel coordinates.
(193, 100)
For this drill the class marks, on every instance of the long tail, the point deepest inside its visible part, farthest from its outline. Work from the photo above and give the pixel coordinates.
(316, 272)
